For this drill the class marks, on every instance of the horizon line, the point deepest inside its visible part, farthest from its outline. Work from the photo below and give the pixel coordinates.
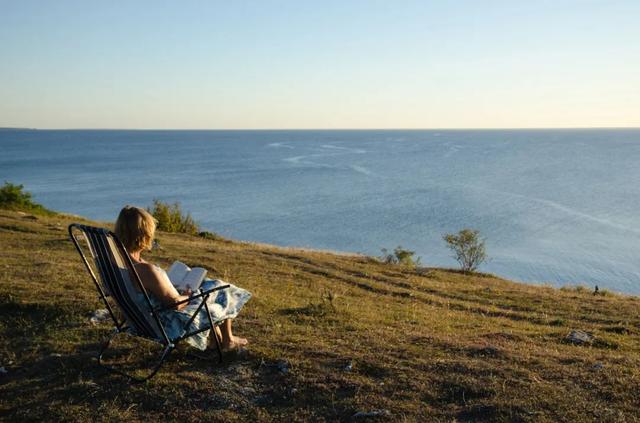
(16, 128)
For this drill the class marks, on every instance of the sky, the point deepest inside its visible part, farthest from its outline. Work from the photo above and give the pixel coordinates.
(319, 64)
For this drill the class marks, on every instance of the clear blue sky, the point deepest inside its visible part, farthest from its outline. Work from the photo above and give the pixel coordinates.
(322, 64)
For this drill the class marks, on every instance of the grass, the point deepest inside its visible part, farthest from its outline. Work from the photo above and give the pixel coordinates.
(331, 335)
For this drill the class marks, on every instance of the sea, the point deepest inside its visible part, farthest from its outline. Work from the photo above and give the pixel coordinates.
(559, 207)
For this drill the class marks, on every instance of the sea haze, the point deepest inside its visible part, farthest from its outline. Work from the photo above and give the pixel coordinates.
(557, 206)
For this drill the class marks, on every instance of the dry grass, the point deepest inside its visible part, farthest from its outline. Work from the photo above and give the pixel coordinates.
(356, 335)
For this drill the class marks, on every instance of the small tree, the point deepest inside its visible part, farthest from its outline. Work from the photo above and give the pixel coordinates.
(468, 248)
(400, 256)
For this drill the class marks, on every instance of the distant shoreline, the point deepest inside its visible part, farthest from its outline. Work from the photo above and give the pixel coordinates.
(588, 128)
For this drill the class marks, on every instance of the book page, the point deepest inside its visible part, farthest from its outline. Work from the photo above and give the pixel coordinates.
(194, 278)
(177, 272)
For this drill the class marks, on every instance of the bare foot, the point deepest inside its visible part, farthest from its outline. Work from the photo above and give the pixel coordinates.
(234, 343)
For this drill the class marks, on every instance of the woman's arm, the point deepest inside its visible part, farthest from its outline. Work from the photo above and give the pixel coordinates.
(156, 281)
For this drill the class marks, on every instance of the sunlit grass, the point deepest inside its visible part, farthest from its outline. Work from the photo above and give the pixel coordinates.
(355, 334)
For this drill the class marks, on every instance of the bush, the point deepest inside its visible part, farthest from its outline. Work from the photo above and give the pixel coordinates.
(400, 256)
(209, 235)
(12, 197)
(171, 218)
(468, 248)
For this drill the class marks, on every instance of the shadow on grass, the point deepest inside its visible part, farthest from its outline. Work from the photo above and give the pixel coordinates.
(24, 319)
(322, 309)
(250, 384)
(465, 273)
(17, 228)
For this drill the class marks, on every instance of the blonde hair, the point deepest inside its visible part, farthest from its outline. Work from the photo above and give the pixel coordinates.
(135, 228)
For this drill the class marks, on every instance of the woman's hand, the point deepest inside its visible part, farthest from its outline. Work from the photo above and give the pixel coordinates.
(185, 296)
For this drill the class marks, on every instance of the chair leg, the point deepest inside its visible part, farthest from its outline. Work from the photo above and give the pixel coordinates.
(218, 343)
(213, 329)
(165, 353)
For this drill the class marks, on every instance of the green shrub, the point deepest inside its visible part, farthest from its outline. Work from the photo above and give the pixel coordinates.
(400, 256)
(12, 197)
(171, 218)
(209, 235)
(468, 248)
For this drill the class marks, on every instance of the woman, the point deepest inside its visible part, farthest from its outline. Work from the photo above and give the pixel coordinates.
(135, 228)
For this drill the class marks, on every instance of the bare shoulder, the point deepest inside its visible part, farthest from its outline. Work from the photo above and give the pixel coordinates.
(152, 277)
(147, 269)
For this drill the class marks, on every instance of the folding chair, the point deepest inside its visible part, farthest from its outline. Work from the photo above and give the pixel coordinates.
(118, 274)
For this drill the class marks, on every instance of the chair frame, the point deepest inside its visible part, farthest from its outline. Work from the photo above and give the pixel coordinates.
(99, 249)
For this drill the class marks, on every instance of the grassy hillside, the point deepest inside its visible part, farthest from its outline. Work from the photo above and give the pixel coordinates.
(331, 335)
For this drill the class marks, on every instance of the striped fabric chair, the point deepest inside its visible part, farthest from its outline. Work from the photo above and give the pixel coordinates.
(118, 285)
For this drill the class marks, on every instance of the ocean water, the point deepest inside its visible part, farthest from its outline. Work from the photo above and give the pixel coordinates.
(555, 206)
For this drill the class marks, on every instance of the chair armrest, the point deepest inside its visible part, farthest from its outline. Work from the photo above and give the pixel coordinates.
(193, 297)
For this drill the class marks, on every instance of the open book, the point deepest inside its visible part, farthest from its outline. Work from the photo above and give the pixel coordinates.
(183, 277)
